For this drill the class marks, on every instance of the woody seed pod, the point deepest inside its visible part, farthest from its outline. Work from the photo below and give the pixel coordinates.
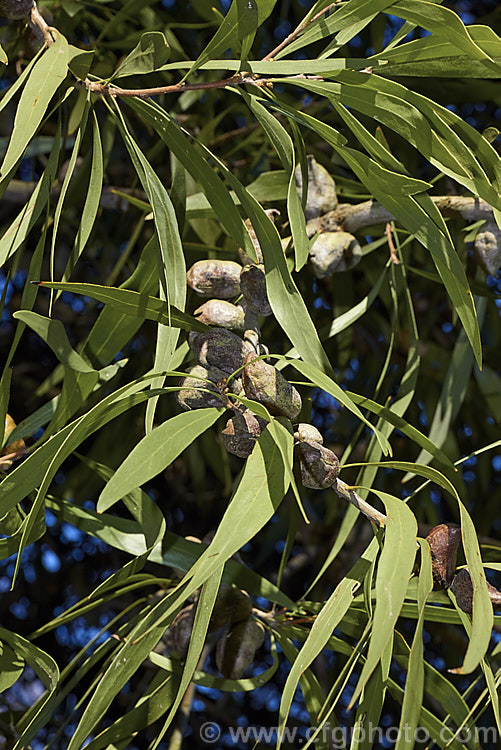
(15, 8)
(488, 247)
(305, 431)
(318, 466)
(219, 348)
(241, 432)
(333, 252)
(321, 189)
(235, 651)
(232, 605)
(462, 587)
(219, 312)
(253, 288)
(215, 278)
(17, 445)
(263, 383)
(444, 542)
(178, 634)
(190, 397)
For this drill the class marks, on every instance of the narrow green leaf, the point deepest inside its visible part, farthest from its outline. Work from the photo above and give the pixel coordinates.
(399, 551)
(45, 77)
(148, 55)
(155, 452)
(137, 304)
(53, 333)
(11, 666)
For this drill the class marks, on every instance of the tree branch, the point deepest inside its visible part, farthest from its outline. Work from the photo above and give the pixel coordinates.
(351, 217)
(39, 22)
(176, 88)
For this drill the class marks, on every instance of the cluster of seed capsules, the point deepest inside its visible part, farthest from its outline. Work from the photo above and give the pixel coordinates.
(232, 346)
(444, 542)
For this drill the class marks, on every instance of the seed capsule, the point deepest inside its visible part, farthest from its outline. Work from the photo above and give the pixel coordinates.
(253, 287)
(318, 466)
(444, 542)
(235, 651)
(15, 8)
(241, 432)
(232, 605)
(219, 312)
(215, 278)
(190, 397)
(333, 252)
(305, 431)
(263, 383)
(219, 348)
(488, 247)
(462, 587)
(321, 189)
(178, 634)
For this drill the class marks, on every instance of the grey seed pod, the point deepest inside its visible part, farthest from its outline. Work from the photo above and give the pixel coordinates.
(305, 431)
(178, 634)
(263, 383)
(232, 605)
(219, 348)
(219, 312)
(253, 288)
(333, 252)
(321, 189)
(241, 432)
(215, 278)
(488, 247)
(190, 397)
(444, 542)
(15, 8)
(462, 587)
(318, 466)
(235, 651)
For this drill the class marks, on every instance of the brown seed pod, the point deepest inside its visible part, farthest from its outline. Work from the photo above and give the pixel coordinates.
(17, 445)
(178, 634)
(488, 247)
(318, 466)
(219, 312)
(305, 431)
(232, 605)
(321, 189)
(444, 542)
(462, 587)
(263, 383)
(235, 651)
(215, 278)
(241, 432)
(253, 288)
(15, 8)
(190, 397)
(219, 348)
(333, 252)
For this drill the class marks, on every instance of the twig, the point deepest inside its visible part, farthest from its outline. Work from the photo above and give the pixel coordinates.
(236, 80)
(298, 31)
(388, 230)
(347, 493)
(356, 216)
(183, 715)
(37, 20)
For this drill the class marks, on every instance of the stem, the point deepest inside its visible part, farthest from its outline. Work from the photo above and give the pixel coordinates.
(36, 19)
(236, 80)
(347, 493)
